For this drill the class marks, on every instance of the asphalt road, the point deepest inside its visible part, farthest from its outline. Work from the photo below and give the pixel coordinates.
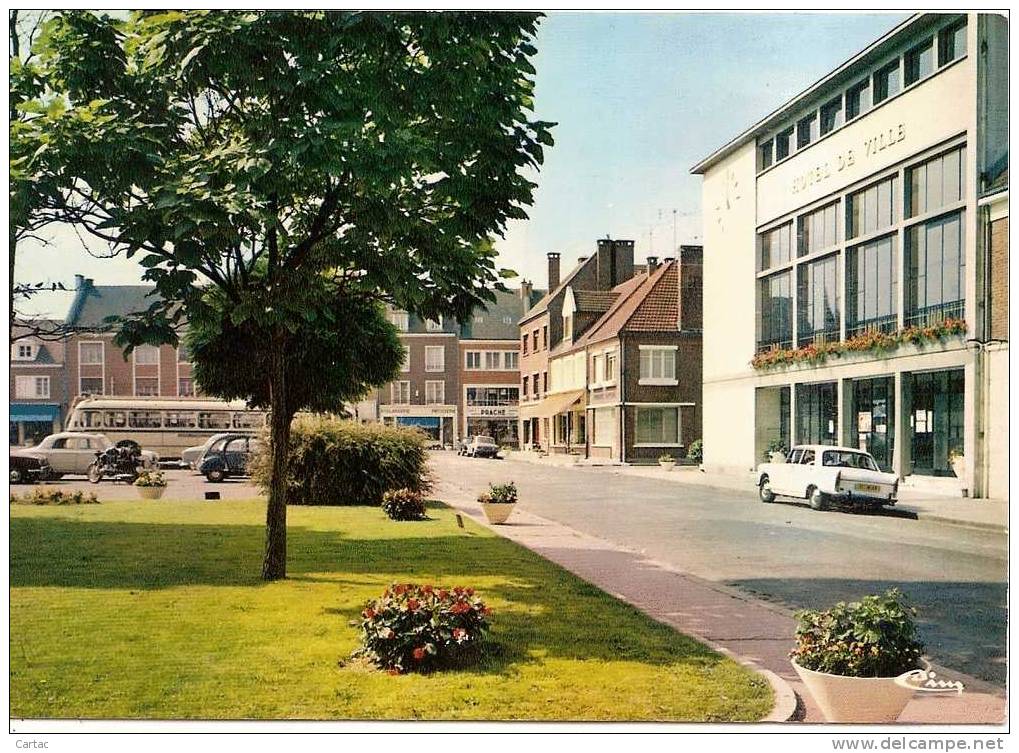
(785, 553)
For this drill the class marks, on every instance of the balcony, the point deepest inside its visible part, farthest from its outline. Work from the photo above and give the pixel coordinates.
(818, 337)
(766, 345)
(885, 324)
(931, 316)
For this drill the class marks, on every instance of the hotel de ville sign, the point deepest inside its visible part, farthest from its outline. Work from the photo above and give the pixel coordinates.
(871, 146)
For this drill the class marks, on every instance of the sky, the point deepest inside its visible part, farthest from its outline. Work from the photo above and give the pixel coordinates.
(639, 98)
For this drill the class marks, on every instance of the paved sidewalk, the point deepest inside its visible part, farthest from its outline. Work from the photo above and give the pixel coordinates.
(720, 616)
(978, 513)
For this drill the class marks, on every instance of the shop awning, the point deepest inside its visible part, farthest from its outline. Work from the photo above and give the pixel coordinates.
(552, 405)
(43, 412)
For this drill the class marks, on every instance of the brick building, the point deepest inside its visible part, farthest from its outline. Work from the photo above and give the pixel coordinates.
(610, 359)
(39, 388)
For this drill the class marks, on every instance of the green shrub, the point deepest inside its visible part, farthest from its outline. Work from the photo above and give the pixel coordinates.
(403, 504)
(414, 628)
(338, 462)
(696, 451)
(46, 496)
(873, 637)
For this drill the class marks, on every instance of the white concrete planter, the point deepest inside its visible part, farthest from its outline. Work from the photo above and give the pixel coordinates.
(777, 457)
(667, 464)
(497, 512)
(150, 492)
(959, 467)
(870, 700)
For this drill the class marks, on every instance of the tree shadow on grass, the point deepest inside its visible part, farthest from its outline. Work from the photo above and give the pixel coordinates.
(541, 611)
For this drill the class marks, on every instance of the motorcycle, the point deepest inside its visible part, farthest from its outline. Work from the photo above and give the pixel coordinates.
(117, 463)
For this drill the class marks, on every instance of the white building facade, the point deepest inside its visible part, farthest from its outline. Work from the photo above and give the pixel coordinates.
(847, 264)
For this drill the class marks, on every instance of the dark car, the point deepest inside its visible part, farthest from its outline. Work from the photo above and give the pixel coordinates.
(26, 469)
(228, 457)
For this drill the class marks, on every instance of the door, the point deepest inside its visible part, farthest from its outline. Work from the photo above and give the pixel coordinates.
(62, 455)
(235, 453)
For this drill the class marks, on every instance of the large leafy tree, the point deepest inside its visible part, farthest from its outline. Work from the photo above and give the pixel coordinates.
(290, 159)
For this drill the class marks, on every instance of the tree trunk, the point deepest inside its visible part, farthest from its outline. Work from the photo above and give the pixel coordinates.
(274, 566)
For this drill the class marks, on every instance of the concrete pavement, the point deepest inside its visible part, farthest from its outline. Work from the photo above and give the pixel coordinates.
(743, 627)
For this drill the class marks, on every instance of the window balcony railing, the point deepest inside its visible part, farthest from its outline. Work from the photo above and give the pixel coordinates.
(765, 346)
(886, 324)
(818, 337)
(490, 403)
(931, 316)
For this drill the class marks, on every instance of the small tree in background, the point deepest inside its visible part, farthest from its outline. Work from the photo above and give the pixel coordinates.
(287, 161)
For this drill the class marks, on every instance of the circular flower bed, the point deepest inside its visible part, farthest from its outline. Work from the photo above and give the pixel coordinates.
(421, 628)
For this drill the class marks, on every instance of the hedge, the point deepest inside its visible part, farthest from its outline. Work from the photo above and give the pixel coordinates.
(338, 462)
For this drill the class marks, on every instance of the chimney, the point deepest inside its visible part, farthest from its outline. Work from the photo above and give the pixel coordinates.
(652, 264)
(526, 288)
(553, 271)
(615, 263)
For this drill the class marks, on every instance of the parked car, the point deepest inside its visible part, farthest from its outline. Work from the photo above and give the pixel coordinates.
(228, 456)
(481, 446)
(72, 452)
(191, 457)
(26, 469)
(822, 474)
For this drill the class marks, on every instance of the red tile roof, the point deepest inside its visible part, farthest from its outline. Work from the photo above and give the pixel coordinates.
(645, 303)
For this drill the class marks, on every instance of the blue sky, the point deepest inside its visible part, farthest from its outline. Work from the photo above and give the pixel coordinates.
(639, 98)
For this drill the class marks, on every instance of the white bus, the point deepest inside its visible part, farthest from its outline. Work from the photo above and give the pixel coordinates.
(164, 425)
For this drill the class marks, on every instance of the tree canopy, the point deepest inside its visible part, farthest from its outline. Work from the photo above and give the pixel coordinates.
(288, 160)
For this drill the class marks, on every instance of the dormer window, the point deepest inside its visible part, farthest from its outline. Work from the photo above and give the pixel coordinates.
(24, 351)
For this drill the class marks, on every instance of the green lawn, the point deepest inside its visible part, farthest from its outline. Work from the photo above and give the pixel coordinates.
(155, 609)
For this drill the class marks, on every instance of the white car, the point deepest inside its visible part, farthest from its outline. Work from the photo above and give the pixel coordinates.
(71, 452)
(825, 473)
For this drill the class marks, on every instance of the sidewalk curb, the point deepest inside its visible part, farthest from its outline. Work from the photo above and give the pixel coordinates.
(973, 524)
(786, 702)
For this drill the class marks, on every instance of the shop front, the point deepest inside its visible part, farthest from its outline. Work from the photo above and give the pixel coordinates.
(492, 412)
(437, 422)
(30, 422)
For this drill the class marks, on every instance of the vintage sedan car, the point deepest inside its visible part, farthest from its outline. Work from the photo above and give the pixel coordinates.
(191, 457)
(823, 474)
(481, 446)
(72, 452)
(228, 456)
(26, 469)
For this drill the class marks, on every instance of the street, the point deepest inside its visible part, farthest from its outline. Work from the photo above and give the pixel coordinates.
(785, 552)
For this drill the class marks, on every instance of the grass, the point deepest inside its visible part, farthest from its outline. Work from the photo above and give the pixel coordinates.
(155, 610)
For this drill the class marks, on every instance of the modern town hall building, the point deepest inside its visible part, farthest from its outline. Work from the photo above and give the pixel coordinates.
(856, 264)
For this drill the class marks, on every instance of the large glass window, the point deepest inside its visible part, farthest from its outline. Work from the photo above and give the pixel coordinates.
(919, 62)
(818, 301)
(858, 99)
(817, 230)
(872, 286)
(816, 413)
(658, 426)
(935, 183)
(775, 312)
(936, 265)
(775, 246)
(952, 43)
(887, 82)
(936, 420)
(871, 209)
(873, 427)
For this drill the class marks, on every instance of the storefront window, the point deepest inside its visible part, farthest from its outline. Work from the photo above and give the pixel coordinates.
(816, 413)
(873, 428)
(872, 287)
(936, 420)
(818, 301)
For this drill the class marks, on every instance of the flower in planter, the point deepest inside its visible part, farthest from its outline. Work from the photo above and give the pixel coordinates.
(874, 637)
(666, 458)
(499, 494)
(150, 479)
